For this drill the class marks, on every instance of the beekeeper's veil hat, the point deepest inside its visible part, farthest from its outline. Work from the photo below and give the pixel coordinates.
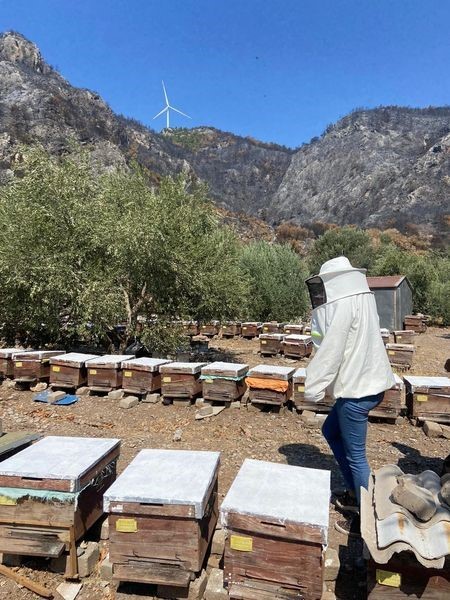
(336, 279)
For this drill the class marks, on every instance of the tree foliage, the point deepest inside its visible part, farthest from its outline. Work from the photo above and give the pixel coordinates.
(351, 242)
(80, 252)
(277, 282)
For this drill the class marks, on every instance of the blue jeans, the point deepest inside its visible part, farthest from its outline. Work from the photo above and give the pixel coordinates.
(345, 430)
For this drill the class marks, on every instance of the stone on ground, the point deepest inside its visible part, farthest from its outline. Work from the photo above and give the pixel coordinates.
(88, 560)
(432, 429)
(214, 589)
(129, 402)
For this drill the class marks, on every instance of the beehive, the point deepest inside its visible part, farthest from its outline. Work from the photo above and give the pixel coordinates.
(223, 381)
(7, 361)
(142, 375)
(162, 513)
(293, 328)
(428, 398)
(297, 346)
(69, 370)
(298, 395)
(210, 329)
(400, 354)
(105, 372)
(181, 380)
(231, 329)
(270, 343)
(276, 521)
(392, 403)
(269, 384)
(52, 492)
(34, 365)
(271, 327)
(251, 329)
(405, 336)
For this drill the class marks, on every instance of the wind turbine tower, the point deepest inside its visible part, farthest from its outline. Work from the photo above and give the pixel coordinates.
(168, 108)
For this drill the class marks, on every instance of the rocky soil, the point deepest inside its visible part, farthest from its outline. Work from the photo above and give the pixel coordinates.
(237, 434)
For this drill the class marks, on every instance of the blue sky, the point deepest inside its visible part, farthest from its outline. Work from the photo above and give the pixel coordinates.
(277, 70)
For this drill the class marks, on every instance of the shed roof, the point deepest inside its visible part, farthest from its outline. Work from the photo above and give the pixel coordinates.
(389, 281)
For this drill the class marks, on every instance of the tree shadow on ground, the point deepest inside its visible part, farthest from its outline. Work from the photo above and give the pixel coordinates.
(307, 455)
(414, 462)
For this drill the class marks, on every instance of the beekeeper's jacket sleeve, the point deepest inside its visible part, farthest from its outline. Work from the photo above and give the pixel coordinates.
(324, 367)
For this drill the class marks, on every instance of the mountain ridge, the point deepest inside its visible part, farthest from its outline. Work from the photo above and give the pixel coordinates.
(383, 167)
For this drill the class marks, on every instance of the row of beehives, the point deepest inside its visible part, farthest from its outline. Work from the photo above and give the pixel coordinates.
(426, 397)
(249, 329)
(162, 512)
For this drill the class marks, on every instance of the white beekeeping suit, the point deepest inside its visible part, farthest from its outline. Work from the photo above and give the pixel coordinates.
(350, 359)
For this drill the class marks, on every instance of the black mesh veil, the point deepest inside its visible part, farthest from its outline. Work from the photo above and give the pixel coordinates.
(316, 289)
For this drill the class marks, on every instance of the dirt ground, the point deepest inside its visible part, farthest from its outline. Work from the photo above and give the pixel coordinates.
(237, 434)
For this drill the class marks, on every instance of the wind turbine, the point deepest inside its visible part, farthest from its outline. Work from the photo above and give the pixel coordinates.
(168, 108)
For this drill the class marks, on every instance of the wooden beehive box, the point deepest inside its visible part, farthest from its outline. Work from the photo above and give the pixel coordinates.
(298, 395)
(251, 329)
(417, 323)
(162, 511)
(405, 336)
(190, 327)
(297, 346)
(400, 354)
(392, 403)
(35, 365)
(7, 361)
(105, 372)
(210, 329)
(231, 329)
(270, 343)
(52, 492)
(428, 398)
(181, 380)
(404, 577)
(271, 327)
(293, 328)
(385, 335)
(69, 370)
(142, 375)
(223, 381)
(276, 521)
(269, 384)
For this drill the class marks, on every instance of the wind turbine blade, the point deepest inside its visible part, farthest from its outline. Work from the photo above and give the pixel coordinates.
(165, 93)
(161, 112)
(179, 111)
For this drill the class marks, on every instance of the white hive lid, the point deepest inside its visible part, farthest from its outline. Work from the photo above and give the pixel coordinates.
(280, 492)
(166, 477)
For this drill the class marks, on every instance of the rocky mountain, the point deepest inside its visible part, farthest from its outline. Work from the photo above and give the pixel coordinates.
(378, 168)
(383, 167)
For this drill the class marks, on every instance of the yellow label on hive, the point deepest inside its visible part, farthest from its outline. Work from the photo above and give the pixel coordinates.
(263, 342)
(241, 543)
(244, 328)
(288, 331)
(18, 364)
(167, 379)
(391, 352)
(126, 525)
(388, 578)
(266, 329)
(128, 373)
(6, 501)
(301, 388)
(92, 372)
(56, 369)
(208, 380)
(421, 397)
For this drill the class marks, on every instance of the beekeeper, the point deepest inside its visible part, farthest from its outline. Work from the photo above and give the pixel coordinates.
(352, 365)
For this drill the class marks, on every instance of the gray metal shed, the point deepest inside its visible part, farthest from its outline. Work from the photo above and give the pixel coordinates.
(393, 295)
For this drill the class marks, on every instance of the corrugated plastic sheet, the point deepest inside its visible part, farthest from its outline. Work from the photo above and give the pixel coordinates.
(388, 528)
